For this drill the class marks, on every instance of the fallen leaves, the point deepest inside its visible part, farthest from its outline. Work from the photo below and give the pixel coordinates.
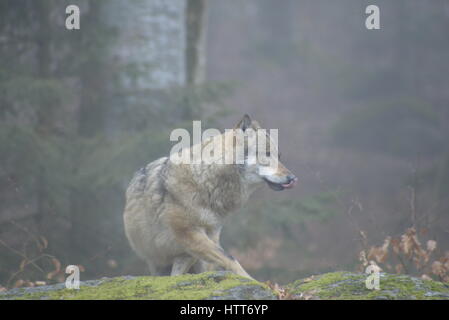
(281, 292)
(407, 255)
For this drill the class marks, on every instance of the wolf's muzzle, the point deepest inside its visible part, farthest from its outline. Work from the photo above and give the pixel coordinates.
(291, 182)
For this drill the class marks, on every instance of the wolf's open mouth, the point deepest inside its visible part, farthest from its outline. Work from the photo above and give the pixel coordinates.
(281, 186)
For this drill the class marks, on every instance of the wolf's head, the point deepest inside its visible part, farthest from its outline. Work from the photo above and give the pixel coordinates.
(261, 161)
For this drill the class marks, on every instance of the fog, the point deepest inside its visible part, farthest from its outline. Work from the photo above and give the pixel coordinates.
(362, 118)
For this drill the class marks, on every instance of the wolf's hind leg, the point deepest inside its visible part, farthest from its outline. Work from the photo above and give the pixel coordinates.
(203, 266)
(182, 264)
(152, 268)
(158, 270)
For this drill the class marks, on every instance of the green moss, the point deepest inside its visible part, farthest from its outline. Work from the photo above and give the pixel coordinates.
(196, 287)
(226, 285)
(350, 286)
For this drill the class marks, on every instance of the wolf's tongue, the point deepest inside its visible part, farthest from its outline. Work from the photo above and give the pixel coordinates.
(291, 184)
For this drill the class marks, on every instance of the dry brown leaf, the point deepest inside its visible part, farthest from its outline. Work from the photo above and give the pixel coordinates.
(29, 284)
(362, 258)
(438, 268)
(380, 254)
(426, 277)
(19, 283)
(445, 261)
(281, 292)
(399, 268)
(431, 245)
(57, 264)
(44, 242)
(57, 270)
(22, 265)
(60, 278)
(406, 244)
(396, 245)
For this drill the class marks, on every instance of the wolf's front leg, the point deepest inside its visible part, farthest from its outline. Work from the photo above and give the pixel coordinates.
(199, 245)
(182, 264)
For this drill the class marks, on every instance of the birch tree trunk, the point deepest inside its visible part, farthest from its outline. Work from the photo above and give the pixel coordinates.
(196, 33)
(151, 42)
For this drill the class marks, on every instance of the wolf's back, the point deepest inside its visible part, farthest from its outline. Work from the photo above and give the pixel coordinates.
(147, 178)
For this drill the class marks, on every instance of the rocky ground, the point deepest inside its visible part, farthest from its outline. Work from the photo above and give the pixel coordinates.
(225, 285)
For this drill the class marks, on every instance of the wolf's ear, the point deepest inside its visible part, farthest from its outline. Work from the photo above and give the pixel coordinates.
(244, 124)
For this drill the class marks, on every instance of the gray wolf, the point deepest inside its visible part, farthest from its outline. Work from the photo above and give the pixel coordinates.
(174, 212)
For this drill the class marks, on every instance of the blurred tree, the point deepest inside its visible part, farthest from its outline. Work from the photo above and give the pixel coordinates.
(80, 111)
(196, 30)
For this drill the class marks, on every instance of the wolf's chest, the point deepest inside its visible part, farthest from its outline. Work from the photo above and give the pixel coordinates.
(209, 219)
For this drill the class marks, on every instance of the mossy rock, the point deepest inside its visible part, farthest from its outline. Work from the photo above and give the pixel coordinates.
(228, 286)
(352, 286)
(209, 285)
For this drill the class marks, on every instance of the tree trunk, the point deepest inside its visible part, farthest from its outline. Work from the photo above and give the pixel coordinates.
(195, 38)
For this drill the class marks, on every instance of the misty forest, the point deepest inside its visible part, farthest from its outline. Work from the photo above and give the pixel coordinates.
(363, 119)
